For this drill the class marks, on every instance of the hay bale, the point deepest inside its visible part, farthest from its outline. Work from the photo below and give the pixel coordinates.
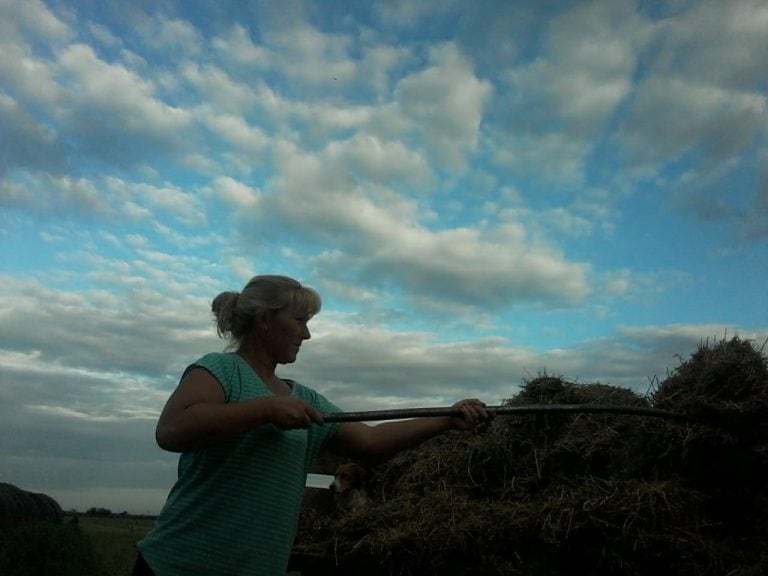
(17, 505)
(725, 384)
(563, 493)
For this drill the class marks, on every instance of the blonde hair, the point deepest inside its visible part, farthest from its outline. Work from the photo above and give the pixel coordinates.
(235, 312)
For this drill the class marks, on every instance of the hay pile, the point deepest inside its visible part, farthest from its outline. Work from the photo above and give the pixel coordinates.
(601, 494)
(17, 505)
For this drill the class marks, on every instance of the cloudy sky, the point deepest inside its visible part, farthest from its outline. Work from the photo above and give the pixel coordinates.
(481, 193)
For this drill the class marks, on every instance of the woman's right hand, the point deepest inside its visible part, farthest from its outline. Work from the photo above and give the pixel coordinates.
(289, 413)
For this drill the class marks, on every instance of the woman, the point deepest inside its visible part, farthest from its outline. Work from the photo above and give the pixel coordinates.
(247, 439)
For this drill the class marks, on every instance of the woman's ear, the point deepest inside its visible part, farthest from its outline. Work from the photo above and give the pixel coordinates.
(261, 322)
(258, 325)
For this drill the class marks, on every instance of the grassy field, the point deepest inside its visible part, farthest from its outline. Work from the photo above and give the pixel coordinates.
(92, 546)
(114, 541)
(78, 546)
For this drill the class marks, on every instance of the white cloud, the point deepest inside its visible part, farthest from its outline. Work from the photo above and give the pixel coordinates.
(222, 91)
(383, 240)
(701, 93)
(171, 200)
(172, 35)
(380, 162)
(672, 116)
(236, 46)
(567, 222)
(446, 103)
(558, 103)
(113, 112)
(18, 19)
(26, 76)
(722, 43)
(112, 87)
(492, 269)
(313, 121)
(42, 193)
(234, 193)
(311, 57)
(556, 157)
(248, 140)
(592, 56)
(378, 64)
(104, 35)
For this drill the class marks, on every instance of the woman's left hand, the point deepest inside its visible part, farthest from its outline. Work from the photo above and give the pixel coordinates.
(472, 413)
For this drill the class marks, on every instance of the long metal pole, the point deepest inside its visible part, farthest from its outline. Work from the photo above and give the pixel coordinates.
(396, 414)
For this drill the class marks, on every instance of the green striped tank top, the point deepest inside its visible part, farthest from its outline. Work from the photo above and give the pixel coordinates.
(234, 508)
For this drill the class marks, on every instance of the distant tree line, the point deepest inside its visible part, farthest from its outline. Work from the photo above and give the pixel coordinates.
(102, 512)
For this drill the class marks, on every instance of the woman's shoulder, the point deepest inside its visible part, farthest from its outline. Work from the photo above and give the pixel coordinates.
(228, 357)
(219, 363)
(223, 366)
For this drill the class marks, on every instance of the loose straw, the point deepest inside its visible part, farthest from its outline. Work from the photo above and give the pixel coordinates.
(376, 415)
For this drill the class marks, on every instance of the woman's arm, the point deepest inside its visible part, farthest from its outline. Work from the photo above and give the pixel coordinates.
(355, 439)
(197, 415)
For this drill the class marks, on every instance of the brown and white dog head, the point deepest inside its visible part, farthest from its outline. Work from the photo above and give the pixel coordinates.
(348, 487)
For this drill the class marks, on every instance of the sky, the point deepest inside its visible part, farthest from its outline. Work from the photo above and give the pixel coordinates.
(481, 192)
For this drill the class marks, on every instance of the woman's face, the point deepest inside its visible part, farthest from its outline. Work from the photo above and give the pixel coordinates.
(286, 331)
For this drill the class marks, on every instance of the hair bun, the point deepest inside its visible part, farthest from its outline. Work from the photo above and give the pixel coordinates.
(223, 308)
